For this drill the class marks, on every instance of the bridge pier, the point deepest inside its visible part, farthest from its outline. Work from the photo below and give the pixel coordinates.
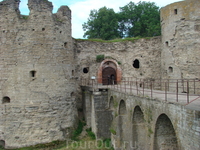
(96, 112)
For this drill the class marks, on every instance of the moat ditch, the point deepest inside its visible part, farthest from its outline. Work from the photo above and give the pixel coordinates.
(82, 139)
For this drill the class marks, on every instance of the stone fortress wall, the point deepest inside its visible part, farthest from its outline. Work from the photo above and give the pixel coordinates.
(41, 65)
(180, 24)
(146, 51)
(36, 74)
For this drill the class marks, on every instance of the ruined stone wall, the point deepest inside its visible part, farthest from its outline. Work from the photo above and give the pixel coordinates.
(181, 40)
(147, 51)
(37, 87)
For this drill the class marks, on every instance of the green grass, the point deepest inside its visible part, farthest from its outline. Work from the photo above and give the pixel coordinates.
(132, 39)
(99, 58)
(78, 131)
(113, 131)
(91, 134)
(24, 17)
(47, 146)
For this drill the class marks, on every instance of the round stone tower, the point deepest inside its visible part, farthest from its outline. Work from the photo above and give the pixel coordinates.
(181, 40)
(36, 74)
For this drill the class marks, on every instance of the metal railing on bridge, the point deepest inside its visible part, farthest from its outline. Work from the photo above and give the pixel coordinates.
(180, 90)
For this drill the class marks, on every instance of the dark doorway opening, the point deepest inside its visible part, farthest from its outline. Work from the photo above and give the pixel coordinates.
(109, 76)
(136, 63)
(2, 143)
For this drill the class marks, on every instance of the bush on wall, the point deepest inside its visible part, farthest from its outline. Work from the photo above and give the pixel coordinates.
(99, 58)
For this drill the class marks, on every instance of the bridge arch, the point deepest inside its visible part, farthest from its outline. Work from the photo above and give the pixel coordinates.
(165, 135)
(138, 129)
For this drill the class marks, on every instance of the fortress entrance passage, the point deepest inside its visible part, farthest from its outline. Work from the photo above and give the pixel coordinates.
(109, 72)
(108, 76)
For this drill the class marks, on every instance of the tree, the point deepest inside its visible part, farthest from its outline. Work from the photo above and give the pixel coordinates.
(102, 24)
(142, 20)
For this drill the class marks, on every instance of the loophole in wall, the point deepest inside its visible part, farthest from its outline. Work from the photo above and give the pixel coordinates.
(86, 70)
(136, 63)
(32, 73)
(5, 99)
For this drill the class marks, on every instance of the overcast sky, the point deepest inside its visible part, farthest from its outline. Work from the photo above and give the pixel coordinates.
(81, 9)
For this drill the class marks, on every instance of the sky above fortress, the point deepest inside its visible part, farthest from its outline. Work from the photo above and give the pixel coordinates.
(81, 9)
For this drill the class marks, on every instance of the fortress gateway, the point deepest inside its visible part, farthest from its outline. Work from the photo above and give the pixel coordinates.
(41, 67)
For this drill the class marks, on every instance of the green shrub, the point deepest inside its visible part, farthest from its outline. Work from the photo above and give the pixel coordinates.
(24, 17)
(107, 143)
(78, 131)
(90, 133)
(113, 131)
(99, 58)
(119, 62)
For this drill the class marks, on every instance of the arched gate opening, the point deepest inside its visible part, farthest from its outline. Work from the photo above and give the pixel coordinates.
(109, 72)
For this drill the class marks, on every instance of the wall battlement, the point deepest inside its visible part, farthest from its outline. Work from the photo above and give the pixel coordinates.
(9, 6)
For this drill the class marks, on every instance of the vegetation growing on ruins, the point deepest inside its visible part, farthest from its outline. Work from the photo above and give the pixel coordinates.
(150, 132)
(99, 58)
(113, 131)
(149, 115)
(24, 17)
(91, 134)
(131, 39)
(78, 131)
(141, 19)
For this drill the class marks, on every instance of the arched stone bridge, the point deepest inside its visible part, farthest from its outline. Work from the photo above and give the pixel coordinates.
(133, 121)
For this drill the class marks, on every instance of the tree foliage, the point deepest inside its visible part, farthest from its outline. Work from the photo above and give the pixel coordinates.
(141, 19)
(101, 24)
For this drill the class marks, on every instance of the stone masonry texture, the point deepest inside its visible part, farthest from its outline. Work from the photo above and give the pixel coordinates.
(41, 67)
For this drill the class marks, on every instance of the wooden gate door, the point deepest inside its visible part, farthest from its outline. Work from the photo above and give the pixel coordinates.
(108, 76)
